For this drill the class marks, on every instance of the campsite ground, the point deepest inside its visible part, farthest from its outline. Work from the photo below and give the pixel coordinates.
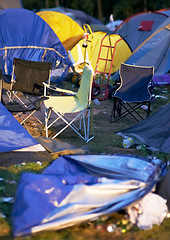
(12, 165)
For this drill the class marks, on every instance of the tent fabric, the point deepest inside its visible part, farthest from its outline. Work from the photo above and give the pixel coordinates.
(77, 15)
(163, 188)
(27, 36)
(13, 136)
(146, 25)
(90, 54)
(78, 188)
(60, 148)
(153, 131)
(161, 80)
(10, 4)
(82, 17)
(68, 31)
(130, 29)
(154, 51)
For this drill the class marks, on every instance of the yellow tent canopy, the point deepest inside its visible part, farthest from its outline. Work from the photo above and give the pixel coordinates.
(119, 51)
(68, 31)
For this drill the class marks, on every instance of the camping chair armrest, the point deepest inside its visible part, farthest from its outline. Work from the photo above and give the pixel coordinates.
(59, 89)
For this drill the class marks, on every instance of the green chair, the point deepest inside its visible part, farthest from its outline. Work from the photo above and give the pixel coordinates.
(75, 105)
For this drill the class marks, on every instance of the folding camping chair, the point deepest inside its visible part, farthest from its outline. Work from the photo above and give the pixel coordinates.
(26, 87)
(134, 92)
(74, 105)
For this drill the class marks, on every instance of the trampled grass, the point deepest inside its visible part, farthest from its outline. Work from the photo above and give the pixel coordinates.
(105, 142)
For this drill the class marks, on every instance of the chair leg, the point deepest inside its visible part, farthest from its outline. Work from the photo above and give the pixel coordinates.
(128, 109)
(47, 116)
(86, 124)
(113, 112)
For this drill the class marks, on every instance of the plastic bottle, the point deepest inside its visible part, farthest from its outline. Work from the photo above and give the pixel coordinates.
(127, 142)
(111, 227)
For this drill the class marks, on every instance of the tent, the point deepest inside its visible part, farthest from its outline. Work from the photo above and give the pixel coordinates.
(79, 188)
(153, 131)
(13, 136)
(112, 25)
(90, 54)
(77, 15)
(10, 4)
(137, 28)
(68, 31)
(154, 51)
(25, 35)
(82, 17)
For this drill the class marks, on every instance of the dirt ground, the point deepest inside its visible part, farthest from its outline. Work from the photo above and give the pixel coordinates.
(105, 142)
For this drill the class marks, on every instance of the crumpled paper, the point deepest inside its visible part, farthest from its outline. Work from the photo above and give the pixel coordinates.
(150, 210)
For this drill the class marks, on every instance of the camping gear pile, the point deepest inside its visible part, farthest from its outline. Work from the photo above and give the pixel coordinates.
(77, 188)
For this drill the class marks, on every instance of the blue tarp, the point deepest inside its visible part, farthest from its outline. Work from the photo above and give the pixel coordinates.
(77, 188)
(12, 134)
(25, 35)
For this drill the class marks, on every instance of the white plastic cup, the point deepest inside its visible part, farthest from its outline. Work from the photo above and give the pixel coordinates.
(127, 142)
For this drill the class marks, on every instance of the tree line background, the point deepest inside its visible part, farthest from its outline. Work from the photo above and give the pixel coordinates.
(101, 9)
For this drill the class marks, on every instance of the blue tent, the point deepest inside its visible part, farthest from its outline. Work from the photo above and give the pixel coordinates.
(25, 35)
(139, 27)
(78, 188)
(153, 131)
(13, 135)
(155, 51)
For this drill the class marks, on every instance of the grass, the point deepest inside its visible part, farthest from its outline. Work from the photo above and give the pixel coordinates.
(105, 142)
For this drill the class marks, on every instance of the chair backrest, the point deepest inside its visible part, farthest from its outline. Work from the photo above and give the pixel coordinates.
(30, 75)
(135, 82)
(84, 91)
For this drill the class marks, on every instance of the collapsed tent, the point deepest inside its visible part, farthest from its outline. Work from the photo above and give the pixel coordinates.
(153, 131)
(27, 36)
(68, 31)
(137, 28)
(13, 136)
(112, 46)
(74, 189)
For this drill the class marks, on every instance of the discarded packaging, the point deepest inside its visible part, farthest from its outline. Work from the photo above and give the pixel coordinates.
(6, 199)
(111, 227)
(127, 142)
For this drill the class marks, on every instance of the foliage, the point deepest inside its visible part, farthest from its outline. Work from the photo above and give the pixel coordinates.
(120, 9)
(86, 6)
